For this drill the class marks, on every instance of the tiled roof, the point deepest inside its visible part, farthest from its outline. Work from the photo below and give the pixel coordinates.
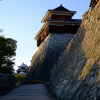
(72, 20)
(61, 9)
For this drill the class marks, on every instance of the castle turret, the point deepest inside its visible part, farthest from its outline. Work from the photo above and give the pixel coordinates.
(58, 20)
(58, 30)
(22, 69)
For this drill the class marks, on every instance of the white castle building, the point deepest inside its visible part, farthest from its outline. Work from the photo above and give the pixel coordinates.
(22, 69)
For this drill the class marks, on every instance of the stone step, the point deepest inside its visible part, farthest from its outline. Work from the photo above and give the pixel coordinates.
(28, 92)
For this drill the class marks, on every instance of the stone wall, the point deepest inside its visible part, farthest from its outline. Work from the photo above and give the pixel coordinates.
(46, 56)
(76, 75)
(7, 82)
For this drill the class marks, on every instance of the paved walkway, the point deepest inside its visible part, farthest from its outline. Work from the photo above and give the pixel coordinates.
(28, 92)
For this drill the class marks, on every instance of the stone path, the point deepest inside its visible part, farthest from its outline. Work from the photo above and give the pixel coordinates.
(28, 92)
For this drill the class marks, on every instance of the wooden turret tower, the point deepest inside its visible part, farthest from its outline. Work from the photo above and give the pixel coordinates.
(58, 20)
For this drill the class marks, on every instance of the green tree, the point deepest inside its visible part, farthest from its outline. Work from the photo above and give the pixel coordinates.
(7, 52)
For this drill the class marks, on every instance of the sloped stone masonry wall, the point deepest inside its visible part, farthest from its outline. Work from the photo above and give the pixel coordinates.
(47, 54)
(76, 76)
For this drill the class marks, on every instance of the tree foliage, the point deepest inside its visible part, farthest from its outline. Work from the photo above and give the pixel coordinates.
(7, 52)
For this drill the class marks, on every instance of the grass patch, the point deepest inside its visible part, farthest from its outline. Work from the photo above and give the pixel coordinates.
(19, 78)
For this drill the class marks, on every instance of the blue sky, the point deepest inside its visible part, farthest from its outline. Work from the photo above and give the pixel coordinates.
(21, 20)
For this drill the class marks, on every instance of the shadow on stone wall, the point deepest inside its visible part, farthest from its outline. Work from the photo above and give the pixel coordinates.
(46, 56)
(76, 76)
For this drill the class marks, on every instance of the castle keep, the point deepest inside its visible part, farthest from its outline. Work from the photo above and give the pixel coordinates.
(58, 30)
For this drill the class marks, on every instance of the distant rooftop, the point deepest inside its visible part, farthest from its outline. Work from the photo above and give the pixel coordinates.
(23, 65)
